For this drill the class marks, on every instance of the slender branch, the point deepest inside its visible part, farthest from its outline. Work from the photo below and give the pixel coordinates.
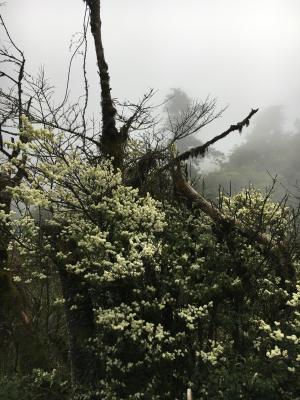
(8, 77)
(86, 85)
(200, 150)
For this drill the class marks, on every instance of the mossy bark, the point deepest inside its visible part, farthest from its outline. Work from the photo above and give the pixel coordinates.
(112, 143)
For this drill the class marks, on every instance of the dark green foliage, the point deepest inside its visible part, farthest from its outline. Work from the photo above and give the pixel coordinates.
(40, 385)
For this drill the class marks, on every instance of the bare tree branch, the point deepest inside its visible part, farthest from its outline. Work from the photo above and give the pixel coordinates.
(194, 117)
(200, 150)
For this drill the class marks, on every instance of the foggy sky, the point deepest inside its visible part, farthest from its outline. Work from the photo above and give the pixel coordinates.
(245, 53)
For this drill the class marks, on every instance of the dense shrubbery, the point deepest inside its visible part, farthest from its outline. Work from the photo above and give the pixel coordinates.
(40, 385)
(177, 302)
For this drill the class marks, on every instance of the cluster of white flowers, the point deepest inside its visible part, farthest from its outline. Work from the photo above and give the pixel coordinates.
(264, 326)
(294, 339)
(115, 229)
(277, 352)
(295, 300)
(192, 314)
(252, 208)
(213, 355)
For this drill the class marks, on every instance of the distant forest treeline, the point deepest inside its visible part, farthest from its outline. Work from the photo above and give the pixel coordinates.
(268, 157)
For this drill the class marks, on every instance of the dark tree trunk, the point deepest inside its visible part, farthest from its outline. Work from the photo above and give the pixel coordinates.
(85, 366)
(86, 369)
(112, 141)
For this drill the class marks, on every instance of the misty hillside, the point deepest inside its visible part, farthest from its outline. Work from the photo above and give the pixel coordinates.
(269, 153)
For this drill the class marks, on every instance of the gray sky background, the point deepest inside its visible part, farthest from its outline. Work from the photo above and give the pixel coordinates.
(245, 53)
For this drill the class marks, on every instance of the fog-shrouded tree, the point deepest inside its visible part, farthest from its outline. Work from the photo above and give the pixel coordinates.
(178, 107)
(269, 152)
(156, 288)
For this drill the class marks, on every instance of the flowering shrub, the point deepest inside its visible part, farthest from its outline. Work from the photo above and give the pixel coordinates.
(176, 302)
